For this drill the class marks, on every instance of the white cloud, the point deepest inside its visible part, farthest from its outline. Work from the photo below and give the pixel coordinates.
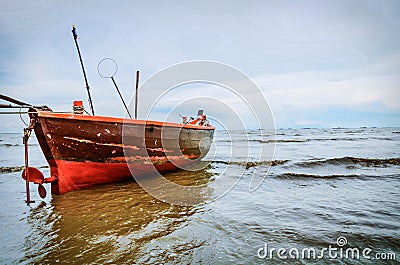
(304, 94)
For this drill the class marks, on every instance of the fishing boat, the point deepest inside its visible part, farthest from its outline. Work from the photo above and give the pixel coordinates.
(84, 150)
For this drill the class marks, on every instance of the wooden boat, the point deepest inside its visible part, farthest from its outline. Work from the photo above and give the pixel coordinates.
(84, 150)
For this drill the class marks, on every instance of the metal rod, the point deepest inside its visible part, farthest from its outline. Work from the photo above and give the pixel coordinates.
(29, 112)
(9, 106)
(83, 68)
(119, 93)
(137, 96)
(13, 112)
(12, 100)
(28, 194)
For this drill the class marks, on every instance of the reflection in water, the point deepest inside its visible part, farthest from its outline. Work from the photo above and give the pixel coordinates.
(117, 223)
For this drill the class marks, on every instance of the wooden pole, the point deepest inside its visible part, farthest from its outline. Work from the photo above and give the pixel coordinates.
(119, 93)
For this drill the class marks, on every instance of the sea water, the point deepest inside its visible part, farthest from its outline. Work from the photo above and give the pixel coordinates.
(330, 196)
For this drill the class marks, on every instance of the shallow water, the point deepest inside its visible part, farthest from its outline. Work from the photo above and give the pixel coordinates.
(322, 184)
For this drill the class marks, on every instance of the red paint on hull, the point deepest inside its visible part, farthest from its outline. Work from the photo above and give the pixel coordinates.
(74, 175)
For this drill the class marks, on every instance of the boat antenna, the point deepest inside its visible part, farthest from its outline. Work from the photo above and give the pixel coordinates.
(107, 68)
(83, 68)
(137, 96)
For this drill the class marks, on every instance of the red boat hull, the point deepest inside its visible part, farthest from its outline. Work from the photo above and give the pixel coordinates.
(84, 151)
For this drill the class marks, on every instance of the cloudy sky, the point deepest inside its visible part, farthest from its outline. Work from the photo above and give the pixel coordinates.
(318, 63)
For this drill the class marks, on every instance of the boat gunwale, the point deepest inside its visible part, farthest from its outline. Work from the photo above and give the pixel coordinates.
(72, 116)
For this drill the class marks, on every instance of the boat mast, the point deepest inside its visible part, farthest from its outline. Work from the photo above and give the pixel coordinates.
(83, 68)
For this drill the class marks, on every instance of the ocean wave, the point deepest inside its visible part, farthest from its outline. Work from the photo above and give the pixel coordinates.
(249, 164)
(339, 139)
(291, 175)
(366, 162)
(10, 145)
(304, 140)
(11, 169)
(267, 141)
(4, 170)
(281, 141)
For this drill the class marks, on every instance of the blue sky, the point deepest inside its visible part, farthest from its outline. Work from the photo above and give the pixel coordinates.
(318, 63)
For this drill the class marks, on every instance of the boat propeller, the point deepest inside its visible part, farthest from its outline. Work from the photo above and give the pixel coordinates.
(36, 177)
